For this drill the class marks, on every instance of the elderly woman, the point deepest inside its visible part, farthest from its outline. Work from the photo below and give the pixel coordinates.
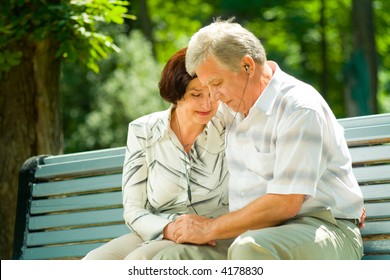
(174, 165)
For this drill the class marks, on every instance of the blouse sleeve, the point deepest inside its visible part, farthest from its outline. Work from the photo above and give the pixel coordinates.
(138, 214)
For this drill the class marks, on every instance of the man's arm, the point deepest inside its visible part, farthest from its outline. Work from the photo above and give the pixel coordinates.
(266, 211)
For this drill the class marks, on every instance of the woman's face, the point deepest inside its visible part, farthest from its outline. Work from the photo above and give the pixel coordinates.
(196, 103)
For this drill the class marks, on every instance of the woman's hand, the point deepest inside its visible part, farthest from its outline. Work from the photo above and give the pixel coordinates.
(169, 231)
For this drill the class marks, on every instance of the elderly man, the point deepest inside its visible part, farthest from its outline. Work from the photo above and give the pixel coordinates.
(292, 192)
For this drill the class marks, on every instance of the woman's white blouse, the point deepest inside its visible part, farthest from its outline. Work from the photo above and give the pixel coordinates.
(161, 181)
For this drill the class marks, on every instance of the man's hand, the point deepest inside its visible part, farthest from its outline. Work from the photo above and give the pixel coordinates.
(362, 218)
(193, 229)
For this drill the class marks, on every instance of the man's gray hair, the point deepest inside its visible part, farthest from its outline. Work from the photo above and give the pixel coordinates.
(227, 41)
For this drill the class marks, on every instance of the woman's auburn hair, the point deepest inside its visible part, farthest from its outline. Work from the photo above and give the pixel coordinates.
(175, 78)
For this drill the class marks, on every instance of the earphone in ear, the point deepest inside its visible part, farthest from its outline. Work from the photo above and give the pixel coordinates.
(246, 68)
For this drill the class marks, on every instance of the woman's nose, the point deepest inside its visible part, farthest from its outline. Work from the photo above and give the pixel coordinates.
(207, 101)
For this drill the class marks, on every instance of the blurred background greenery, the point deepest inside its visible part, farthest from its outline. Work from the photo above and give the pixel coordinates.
(74, 73)
(313, 40)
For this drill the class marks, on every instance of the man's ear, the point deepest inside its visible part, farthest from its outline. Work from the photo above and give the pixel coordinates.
(248, 63)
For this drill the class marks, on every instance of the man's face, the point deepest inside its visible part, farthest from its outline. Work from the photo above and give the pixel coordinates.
(224, 84)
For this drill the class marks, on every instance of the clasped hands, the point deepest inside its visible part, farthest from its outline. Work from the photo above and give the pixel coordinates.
(196, 229)
(189, 229)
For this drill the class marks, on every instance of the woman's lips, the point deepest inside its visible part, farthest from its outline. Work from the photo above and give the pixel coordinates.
(204, 113)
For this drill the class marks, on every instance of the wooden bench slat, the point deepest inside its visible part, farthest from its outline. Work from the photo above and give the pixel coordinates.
(76, 202)
(368, 135)
(370, 154)
(76, 251)
(377, 246)
(378, 210)
(375, 192)
(75, 235)
(76, 219)
(376, 227)
(377, 257)
(80, 168)
(373, 174)
(362, 121)
(85, 155)
(79, 185)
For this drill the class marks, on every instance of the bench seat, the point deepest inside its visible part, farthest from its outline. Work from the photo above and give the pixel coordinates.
(71, 204)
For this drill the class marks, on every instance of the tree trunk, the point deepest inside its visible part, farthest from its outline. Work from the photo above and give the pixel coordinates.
(146, 23)
(30, 123)
(362, 69)
(324, 52)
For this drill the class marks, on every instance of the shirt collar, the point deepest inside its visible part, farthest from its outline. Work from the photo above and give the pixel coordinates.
(162, 125)
(214, 129)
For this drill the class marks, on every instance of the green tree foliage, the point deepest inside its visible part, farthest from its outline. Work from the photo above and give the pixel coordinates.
(175, 21)
(312, 40)
(129, 90)
(382, 26)
(73, 24)
(97, 108)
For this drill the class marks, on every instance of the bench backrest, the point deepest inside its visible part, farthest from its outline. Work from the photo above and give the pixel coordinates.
(71, 204)
(368, 139)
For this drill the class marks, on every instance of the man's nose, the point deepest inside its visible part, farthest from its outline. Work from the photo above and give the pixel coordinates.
(214, 95)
